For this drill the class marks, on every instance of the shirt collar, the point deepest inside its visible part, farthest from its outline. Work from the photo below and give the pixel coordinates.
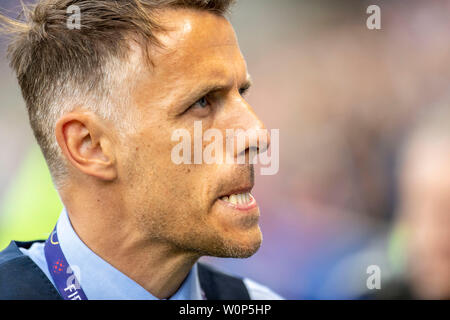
(101, 281)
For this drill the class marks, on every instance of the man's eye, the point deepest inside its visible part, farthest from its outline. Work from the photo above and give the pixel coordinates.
(201, 104)
(201, 108)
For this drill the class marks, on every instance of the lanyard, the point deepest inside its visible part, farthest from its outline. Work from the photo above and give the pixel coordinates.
(62, 273)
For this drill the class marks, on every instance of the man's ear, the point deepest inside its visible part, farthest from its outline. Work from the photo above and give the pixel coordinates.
(84, 141)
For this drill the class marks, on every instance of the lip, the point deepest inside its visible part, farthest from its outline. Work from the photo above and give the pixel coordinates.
(245, 189)
(241, 207)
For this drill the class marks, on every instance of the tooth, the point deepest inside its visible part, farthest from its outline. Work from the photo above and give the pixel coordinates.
(241, 198)
(232, 199)
(225, 198)
(247, 199)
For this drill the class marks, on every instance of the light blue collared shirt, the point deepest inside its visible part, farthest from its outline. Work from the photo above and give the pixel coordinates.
(101, 281)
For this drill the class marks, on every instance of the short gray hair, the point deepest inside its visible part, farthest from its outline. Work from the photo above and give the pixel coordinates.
(58, 68)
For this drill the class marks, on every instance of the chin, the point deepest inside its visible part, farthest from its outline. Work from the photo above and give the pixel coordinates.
(242, 246)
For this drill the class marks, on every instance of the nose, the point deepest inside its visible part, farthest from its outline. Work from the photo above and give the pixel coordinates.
(250, 135)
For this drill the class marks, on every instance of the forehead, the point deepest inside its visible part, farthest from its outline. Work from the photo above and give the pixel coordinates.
(197, 42)
(188, 28)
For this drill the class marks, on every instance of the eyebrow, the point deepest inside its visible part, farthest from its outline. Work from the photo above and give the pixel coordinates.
(203, 91)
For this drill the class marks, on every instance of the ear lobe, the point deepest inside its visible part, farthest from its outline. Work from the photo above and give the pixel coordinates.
(85, 144)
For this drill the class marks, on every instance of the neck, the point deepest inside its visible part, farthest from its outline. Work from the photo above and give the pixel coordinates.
(157, 266)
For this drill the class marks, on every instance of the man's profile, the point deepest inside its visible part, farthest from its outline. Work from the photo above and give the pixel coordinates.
(103, 101)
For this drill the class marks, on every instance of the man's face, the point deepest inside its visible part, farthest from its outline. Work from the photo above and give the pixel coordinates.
(199, 75)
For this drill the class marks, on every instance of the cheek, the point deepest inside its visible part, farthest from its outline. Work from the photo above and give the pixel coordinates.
(175, 189)
(162, 182)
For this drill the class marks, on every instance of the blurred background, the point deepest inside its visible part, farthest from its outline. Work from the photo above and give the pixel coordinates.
(364, 125)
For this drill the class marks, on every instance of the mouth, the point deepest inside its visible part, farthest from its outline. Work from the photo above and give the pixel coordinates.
(240, 200)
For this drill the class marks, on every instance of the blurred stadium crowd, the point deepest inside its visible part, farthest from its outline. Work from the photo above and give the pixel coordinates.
(364, 149)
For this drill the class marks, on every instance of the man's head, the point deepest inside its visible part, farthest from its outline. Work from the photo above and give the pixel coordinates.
(425, 204)
(104, 101)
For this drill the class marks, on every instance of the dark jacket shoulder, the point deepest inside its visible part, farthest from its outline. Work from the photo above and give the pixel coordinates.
(21, 278)
(218, 285)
